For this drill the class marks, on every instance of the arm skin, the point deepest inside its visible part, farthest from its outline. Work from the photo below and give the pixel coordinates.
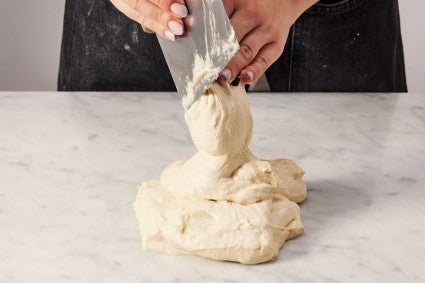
(261, 26)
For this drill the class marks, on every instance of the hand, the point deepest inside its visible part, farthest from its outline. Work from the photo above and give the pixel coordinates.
(161, 16)
(262, 28)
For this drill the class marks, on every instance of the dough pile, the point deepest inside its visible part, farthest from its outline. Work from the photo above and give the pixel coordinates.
(222, 203)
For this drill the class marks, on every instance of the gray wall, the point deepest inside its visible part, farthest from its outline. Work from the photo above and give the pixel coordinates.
(413, 28)
(30, 33)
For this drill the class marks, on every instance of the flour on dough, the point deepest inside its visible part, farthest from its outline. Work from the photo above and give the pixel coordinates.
(223, 203)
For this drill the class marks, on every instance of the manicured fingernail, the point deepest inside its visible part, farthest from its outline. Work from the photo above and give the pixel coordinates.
(170, 35)
(250, 75)
(226, 74)
(176, 27)
(179, 10)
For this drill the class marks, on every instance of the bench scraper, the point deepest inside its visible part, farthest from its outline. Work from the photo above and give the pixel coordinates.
(197, 57)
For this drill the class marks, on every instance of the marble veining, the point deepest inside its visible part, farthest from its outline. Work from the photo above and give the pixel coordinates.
(70, 164)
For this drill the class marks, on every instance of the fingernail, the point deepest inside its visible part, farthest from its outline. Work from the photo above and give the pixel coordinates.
(250, 75)
(170, 35)
(179, 10)
(226, 74)
(176, 27)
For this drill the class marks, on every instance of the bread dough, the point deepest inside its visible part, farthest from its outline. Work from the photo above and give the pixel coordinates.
(222, 203)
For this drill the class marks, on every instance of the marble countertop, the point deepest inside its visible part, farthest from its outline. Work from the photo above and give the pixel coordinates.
(70, 164)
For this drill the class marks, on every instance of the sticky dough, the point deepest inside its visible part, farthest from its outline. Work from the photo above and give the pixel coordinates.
(222, 203)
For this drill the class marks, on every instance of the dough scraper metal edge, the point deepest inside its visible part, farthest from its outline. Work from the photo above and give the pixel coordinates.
(197, 57)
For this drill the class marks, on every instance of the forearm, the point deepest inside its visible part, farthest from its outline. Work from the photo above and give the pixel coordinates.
(300, 6)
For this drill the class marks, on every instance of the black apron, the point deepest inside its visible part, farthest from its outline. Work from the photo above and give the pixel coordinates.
(336, 45)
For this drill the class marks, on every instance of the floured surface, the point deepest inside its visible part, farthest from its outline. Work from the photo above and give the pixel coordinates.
(222, 203)
(66, 209)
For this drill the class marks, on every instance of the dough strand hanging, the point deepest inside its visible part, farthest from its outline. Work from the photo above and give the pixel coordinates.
(222, 203)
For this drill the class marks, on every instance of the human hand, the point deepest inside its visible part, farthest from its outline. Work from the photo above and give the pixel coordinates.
(161, 16)
(262, 28)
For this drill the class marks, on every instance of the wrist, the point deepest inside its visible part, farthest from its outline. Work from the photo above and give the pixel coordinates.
(300, 6)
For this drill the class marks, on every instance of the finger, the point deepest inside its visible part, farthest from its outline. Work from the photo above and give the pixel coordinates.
(165, 19)
(243, 24)
(264, 59)
(249, 48)
(152, 17)
(177, 7)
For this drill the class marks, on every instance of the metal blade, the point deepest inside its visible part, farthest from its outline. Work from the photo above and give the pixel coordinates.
(196, 59)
